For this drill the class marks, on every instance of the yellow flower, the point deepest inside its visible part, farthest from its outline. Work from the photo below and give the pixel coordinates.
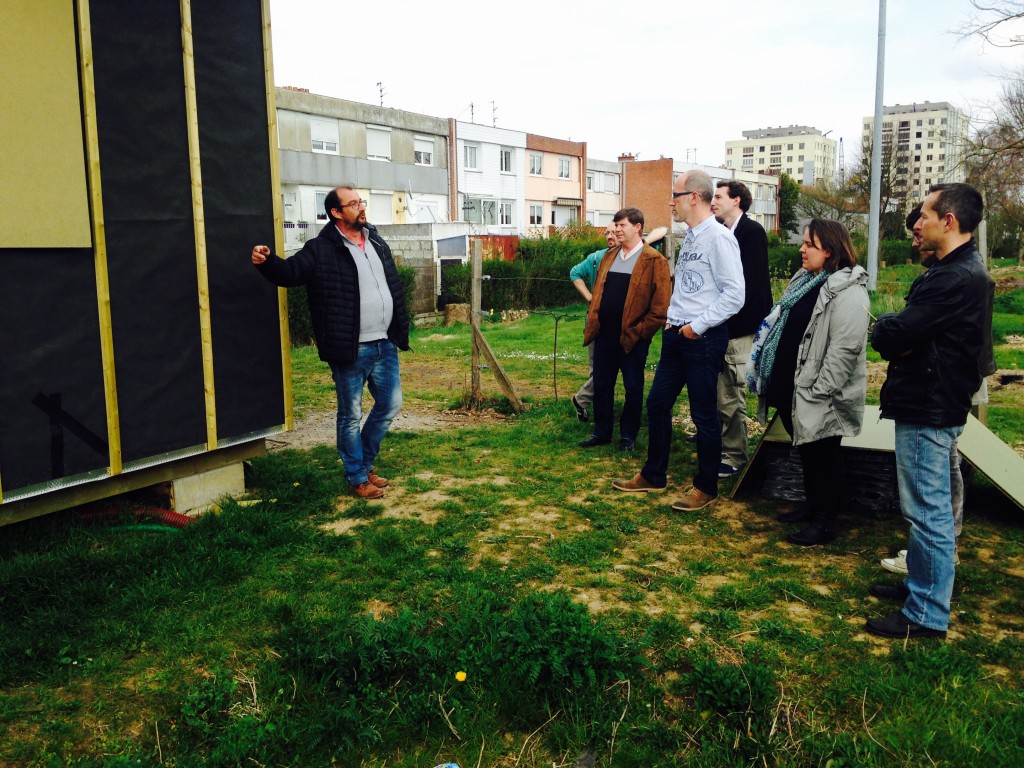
(460, 676)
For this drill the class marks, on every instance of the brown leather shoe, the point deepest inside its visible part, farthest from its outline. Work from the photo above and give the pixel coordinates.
(366, 490)
(376, 480)
(692, 500)
(638, 484)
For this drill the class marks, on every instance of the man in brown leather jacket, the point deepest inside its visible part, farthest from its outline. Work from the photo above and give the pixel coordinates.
(629, 305)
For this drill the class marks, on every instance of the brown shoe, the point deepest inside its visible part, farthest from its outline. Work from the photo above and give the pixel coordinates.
(638, 484)
(366, 490)
(376, 480)
(692, 500)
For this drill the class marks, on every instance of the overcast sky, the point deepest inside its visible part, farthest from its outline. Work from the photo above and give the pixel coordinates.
(650, 78)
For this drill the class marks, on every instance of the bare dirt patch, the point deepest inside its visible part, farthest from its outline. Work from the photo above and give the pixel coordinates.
(319, 428)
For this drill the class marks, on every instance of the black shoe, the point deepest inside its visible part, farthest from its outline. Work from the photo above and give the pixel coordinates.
(592, 441)
(581, 412)
(813, 534)
(900, 627)
(691, 438)
(896, 592)
(727, 470)
(627, 444)
(799, 515)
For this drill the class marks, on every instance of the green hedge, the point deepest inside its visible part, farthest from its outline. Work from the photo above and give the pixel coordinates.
(539, 277)
(783, 261)
(300, 325)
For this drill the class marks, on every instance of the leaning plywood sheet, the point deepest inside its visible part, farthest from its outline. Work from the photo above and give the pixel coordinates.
(977, 445)
(994, 459)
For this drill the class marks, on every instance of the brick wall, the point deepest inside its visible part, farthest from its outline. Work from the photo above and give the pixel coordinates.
(647, 185)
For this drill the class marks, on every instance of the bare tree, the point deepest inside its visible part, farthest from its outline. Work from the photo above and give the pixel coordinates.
(828, 199)
(990, 20)
(995, 164)
(895, 185)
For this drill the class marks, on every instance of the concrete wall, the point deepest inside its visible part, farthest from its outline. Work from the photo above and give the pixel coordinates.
(413, 245)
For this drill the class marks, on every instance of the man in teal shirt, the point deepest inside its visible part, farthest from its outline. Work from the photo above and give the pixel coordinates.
(583, 276)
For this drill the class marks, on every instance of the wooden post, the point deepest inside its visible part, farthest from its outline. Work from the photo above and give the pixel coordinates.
(476, 257)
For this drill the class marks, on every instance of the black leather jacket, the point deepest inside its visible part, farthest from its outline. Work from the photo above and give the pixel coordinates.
(325, 267)
(940, 345)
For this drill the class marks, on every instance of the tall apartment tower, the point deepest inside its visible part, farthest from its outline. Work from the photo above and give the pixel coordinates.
(928, 140)
(800, 151)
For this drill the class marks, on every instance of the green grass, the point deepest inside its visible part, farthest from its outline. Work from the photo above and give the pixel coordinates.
(314, 629)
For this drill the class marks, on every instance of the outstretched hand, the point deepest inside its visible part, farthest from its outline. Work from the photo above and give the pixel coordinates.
(260, 254)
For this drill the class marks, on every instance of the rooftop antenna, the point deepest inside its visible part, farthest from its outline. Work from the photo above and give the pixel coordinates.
(842, 163)
(380, 90)
(494, 114)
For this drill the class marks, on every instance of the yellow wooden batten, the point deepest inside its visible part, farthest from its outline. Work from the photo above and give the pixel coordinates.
(199, 224)
(99, 238)
(275, 185)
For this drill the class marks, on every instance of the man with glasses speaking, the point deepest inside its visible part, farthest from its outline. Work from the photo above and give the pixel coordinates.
(708, 290)
(359, 318)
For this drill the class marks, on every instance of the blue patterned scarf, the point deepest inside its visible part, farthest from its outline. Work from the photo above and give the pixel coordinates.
(766, 340)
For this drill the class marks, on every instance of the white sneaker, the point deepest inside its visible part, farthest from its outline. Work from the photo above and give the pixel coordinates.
(898, 564)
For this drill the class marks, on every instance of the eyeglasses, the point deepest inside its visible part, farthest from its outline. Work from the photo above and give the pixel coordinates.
(688, 192)
(355, 204)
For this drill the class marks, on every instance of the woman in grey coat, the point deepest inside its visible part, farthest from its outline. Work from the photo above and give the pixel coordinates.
(808, 362)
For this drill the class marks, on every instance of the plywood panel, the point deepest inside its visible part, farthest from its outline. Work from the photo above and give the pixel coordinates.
(43, 197)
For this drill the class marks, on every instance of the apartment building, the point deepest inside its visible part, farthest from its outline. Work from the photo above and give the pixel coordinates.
(603, 193)
(397, 160)
(555, 192)
(802, 152)
(924, 143)
(488, 176)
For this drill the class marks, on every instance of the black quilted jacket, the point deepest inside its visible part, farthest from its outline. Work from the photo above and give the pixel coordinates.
(325, 267)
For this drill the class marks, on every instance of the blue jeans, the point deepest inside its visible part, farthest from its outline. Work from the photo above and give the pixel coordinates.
(923, 469)
(695, 364)
(609, 360)
(376, 367)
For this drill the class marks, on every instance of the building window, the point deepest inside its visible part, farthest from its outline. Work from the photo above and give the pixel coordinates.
(324, 135)
(801, 147)
(423, 151)
(563, 167)
(469, 157)
(536, 164)
(378, 143)
(728, 150)
(536, 214)
(747, 151)
(789, 146)
(505, 154)
(489, 212)
(319, 198)
(611, 183)
(800, 158)
(590, 181)
(506, 214)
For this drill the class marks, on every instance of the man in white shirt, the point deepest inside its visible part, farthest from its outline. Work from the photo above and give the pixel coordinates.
(708, 291)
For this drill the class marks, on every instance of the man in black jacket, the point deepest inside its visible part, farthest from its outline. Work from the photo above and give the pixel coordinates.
(359, 317)
(730, 205)
(937, 349)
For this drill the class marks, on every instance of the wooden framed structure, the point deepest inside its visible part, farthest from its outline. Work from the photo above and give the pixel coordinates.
(140, 155)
